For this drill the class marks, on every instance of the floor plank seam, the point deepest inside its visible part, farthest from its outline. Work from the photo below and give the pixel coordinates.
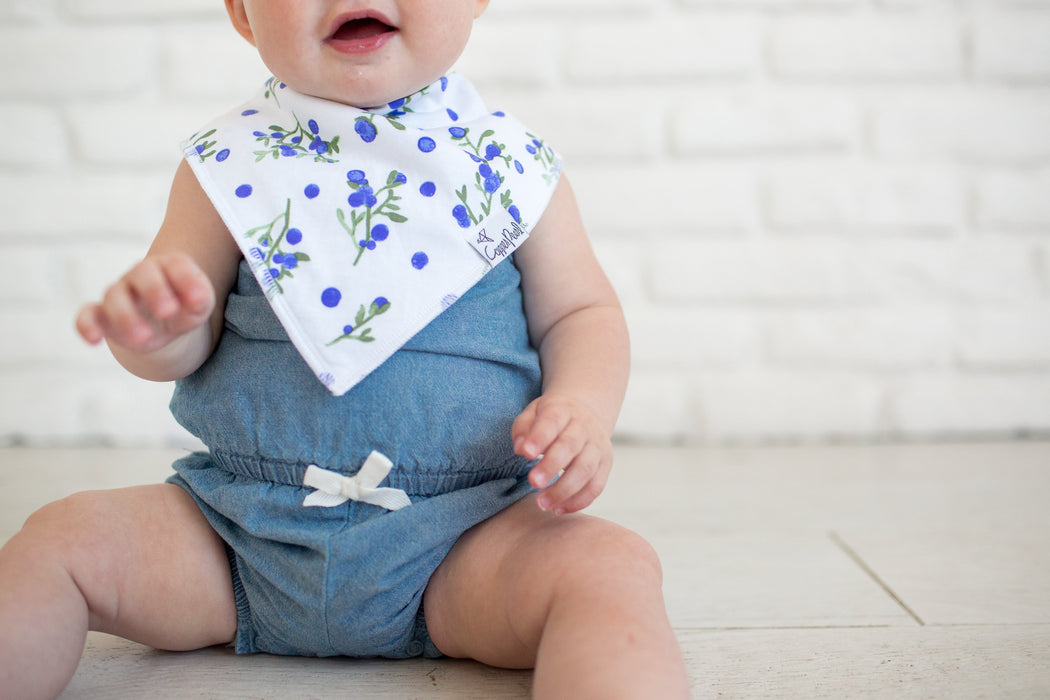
(849, 552)
(768, 628)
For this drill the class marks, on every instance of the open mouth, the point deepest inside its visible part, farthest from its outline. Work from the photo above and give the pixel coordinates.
(362, 29)
(360, 34)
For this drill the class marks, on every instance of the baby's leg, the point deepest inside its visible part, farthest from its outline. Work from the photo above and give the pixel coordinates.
(577, 597)
(141, 563)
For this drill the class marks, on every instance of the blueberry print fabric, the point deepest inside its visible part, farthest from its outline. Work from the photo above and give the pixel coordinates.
(362, 226)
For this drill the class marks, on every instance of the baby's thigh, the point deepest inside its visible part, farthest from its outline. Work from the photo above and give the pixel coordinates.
(149, 565)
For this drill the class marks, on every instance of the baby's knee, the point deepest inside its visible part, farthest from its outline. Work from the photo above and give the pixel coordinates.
(69, 526)
(606, 553)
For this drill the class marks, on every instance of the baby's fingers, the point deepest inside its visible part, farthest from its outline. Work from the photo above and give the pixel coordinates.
(89, 324)
(580, 483)
(558, 455)
(538, 426)
(152, 291)
(519, 431)
(157, 300)
(189, 285)
(120, 317)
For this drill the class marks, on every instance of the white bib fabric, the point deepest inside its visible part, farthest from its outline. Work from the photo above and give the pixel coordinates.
(362, 226)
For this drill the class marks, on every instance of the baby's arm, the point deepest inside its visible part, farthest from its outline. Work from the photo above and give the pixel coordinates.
(576, 322)
(164, 316)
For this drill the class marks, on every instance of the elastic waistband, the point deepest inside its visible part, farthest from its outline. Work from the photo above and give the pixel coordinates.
(414, 480)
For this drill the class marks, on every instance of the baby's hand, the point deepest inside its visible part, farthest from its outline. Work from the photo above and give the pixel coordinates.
(572, 442)
(158, 300)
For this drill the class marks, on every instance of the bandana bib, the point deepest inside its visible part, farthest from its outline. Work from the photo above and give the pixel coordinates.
(362, 226)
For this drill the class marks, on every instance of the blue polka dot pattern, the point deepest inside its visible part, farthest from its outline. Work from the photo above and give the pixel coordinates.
(331, 297)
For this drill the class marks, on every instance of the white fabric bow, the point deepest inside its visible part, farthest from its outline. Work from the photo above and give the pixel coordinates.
(334, 489)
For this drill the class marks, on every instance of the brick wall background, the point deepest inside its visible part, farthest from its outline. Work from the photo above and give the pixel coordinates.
(827, 219)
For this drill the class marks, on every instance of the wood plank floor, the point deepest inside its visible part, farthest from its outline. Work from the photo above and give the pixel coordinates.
(843, 571)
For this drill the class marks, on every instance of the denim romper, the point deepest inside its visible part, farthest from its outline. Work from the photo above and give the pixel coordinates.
(349, 580)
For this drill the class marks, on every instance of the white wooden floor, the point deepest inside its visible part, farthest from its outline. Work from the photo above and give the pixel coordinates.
(887, 571)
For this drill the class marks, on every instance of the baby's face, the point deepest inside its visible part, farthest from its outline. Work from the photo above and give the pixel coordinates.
(364, 53)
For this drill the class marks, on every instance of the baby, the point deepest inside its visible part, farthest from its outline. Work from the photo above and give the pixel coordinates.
(360, 276)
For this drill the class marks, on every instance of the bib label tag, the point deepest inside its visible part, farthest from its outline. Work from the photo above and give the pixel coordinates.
(497, 246)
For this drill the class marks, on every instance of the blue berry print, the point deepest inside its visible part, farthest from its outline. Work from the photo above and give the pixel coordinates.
(222, 155)
(457, 132)
(281, 142)
(271, 237)
(365, 129)
(312, 191)
(426, 144)
(428, 189)
(272, 85)
(365, 315)
(544, 155)
(244, 191)
(331, 297)
(249, 112)
(491, 180)
(204, 146)
(368, 204)
(459, 212)
(492, 159)
(452, 115)
(364, 196)
(420, 260)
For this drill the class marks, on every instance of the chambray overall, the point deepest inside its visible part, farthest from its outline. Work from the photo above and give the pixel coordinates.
(349, 580)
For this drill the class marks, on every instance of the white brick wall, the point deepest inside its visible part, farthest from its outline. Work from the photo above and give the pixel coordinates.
(827, 219)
